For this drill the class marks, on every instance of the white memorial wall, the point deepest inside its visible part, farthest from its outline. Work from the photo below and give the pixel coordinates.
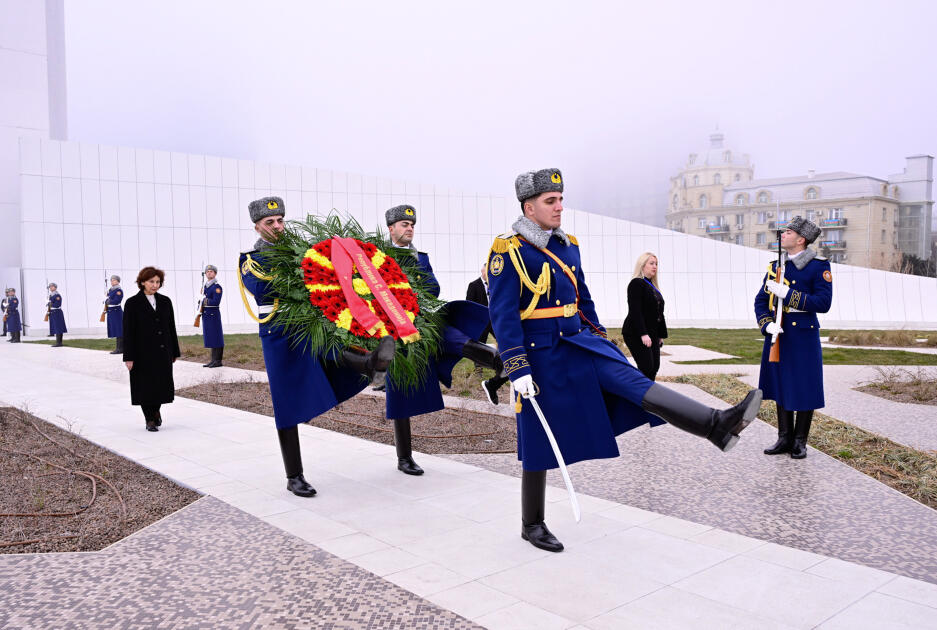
(89, 211)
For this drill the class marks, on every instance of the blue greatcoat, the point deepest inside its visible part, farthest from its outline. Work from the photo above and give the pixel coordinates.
(588, 391)
(115, 314)
(302, 385)
(56, 316)
(212, 335)
(465, 320)
(796, 381)
(13, 315)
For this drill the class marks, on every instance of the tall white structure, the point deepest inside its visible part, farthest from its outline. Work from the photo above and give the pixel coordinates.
(76, 212)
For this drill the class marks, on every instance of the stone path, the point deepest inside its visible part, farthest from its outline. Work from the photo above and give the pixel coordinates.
(451, 536)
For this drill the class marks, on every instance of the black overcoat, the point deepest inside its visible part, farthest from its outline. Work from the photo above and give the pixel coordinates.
(150, 341)
(645, 311)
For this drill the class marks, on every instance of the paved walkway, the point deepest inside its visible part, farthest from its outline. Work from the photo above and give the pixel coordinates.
(450, 536)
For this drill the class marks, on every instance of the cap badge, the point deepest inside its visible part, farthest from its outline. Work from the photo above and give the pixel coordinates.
(272, 205)
(408, 212)
(555, 178)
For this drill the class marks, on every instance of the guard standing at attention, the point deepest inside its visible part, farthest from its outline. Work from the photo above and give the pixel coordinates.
(14, 325)
(465, 323)
(302, 385)
(212, 334)
(795, 381)
(115, 314)
(555, 349)
(3, 309)
(56, 317)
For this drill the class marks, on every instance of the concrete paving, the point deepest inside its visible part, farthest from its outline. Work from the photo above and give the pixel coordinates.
(451, 536)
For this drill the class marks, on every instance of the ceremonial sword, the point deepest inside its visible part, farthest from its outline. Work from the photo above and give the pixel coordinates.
(573, 501)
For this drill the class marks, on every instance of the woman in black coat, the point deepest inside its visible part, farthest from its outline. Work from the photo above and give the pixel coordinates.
(150, 346)
(645, 328)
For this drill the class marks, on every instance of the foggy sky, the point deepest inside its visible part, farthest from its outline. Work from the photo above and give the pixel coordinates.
(467, 95)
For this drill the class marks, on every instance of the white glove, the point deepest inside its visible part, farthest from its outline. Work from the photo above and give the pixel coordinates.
(524, 386)
(780, 290)
(773, 328)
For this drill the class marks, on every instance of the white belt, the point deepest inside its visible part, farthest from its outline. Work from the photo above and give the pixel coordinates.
(265, 309)
(113, 306)
(207, 306)
(55, 308)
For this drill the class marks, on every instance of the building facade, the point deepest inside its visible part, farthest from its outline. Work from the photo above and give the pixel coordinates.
(866, 221)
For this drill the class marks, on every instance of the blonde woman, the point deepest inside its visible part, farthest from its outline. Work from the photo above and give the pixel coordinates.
(645, 328)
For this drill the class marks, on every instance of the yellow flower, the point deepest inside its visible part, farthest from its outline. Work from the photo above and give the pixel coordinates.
(361, 287)
(411, 315)
(319, 258)
(344, 319)
(399, 285)
(378, 259)
(322, 288)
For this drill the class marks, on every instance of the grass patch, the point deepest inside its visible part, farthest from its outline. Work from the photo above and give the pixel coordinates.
(895, 338)
(903, 385)
(907, 470)
(747, 343)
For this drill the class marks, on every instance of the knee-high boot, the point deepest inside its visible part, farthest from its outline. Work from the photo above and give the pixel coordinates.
(721, 427)
(293, 463)
(402, 440)
(533, 502)
(373, 364)
(216, 354)
(118, 346)
(785, 433)
(58, 341)
(801, 431)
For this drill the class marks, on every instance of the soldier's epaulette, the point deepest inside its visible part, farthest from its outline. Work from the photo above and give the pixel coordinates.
(504, 242)
(573, 240)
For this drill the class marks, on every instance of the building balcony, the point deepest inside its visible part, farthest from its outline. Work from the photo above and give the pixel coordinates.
(833, 245)
(827, 223)
(773, 245)
(717, 229)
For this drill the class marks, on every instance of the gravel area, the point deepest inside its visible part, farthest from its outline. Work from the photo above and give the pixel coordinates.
(64, 493)
(441, 432)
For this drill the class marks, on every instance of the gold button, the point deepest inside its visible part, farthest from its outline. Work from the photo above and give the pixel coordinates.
(561, 333)
(793, 282)
(573, 267)
(532, 344)
(557, 302)
(793, 323)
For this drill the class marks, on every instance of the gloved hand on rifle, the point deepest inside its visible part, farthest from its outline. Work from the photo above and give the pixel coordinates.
(773, 328)
(780, 290)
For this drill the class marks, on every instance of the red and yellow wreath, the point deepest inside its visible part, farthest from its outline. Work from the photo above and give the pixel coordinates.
(326, 293)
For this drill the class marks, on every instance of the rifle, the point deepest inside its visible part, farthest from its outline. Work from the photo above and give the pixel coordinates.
(774, 356)
(104, 311)
(201, 302)
(48, 303)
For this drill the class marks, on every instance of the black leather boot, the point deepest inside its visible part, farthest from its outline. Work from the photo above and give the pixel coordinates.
(785, 433)
(721, 427)
(293, 463)
(483, 355)
(216, 354)
(15, 337)
(801, 431)
(58, 341)
(533, 499)
(405, 463)
(118, 346)
(374, 364)
(491, 387)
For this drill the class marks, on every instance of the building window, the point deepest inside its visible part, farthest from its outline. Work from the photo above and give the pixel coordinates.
(738, 239)
(740, 200)
(692, 158)
(811, 215)
(717, 178)
(834, 235)
(760, 239)
(703, 201)
(784, 215)
(740, 220)
(884, 214)
(836, 213)
(762, 197)
(762, 217)
(696, 180)
(702, 223)
(720, 220)
(883, 236)
(727, 156)
(811, 193)
(674, 202)
(738, 177)
(884, 190)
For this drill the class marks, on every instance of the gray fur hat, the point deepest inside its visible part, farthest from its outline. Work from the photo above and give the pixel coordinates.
(211, 268)
(807, 229)
(115, 277)
(52, 284)
(405, 212)
(532, 183)
(266, 207)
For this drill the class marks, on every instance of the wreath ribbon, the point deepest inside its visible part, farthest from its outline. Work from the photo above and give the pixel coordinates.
(346, 255)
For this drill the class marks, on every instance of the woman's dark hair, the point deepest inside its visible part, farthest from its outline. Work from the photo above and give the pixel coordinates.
(148, 272)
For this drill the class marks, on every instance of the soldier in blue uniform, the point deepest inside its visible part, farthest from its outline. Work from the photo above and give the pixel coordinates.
(3, 310)
(465, 323)
(115, 314)
(56, 317)
(302, 385)
(795, 382)
(554, 348)
(14, 325)
(212, 335)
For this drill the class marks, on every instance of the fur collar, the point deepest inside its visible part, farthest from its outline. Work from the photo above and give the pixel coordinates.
(801, 261)
(535, 234)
